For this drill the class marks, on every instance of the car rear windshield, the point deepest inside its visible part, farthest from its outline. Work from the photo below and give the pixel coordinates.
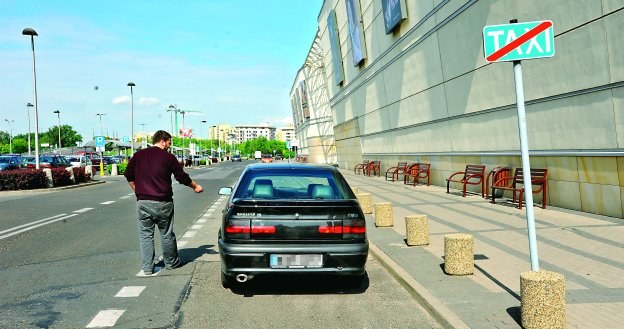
(293, 184)
(5, 160)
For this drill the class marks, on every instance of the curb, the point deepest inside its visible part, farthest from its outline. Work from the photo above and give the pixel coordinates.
(434, 307)
(52, 189)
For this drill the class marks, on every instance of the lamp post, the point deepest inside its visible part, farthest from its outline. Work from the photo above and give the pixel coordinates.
(143, 132)
(131, 84)
(172, 109)
(100, 115)
(183, 132)
(200, 135)
(10, 135)
(28, 106)
(58, 114)
(32, 33)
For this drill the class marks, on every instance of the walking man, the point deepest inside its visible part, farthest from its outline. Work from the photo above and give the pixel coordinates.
(149, 175)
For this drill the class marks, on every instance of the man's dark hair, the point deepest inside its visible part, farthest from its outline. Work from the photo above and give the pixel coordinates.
(160, 135)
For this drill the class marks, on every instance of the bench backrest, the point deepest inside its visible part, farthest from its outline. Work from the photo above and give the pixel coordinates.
(538, 176)
(401, 165)
(476, 170)
(413, 168)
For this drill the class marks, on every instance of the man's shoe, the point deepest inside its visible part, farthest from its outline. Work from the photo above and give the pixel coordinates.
(176, 265)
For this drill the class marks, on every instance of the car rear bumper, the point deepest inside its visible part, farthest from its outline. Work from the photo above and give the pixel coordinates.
(339, 259)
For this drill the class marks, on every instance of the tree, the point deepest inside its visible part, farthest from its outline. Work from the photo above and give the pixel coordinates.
(69, 136)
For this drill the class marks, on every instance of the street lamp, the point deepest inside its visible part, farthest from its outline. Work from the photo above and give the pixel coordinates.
(143, 132)
(28, 106)
(10, 135)
(32, 33)
(200, 135)
(131, 84)
(100, 115)
(172, 109)
(58, 113)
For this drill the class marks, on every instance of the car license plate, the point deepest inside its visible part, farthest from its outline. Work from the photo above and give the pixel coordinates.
(296, 261)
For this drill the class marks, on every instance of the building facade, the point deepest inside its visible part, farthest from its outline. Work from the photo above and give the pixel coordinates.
(285, 134)
(407, 81)
(246, 132)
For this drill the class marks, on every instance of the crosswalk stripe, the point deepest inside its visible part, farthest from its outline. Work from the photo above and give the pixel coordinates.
(189, 234)
(108, 202)
(106, 318)
(130, 291)
(82, 210)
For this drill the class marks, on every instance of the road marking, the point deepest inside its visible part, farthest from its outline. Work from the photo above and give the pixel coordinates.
(106, 318)
(189, 234)
(196, 227)
(108, 202)
(34, 226)
(181, 244)
(130, 194)
(33, 223)
(125, 197)
(131, 291)
(156, 271)
(202, 220)
(82, 210)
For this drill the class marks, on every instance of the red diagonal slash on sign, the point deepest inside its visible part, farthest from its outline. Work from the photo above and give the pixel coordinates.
(522, 39)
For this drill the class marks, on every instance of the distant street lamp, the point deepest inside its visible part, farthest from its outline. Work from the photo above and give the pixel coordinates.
(10, 135)
(28, 106)
(143, 132)
(100, 115)
(58, 113)
(172, 109)
(131, 84)
(32, 33)
(200, 135)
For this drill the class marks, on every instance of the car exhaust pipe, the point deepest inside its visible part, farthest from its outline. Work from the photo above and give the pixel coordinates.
(242, 278)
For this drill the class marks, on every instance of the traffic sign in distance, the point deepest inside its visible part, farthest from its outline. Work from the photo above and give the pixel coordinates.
(518, 41)
(100, 141)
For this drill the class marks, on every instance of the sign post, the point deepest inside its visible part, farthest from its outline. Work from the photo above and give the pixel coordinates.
(521, 41)
(100, 144)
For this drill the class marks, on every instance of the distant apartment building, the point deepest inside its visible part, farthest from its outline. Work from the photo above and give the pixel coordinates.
(285, 134)
(244, 133)
(221, 132)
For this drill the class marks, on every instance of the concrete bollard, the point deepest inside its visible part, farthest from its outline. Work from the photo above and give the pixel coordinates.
(71, 174)
(458, 254)
(383, 214)
(114, 169)
(417, 230)
(48, 173)
(543, 300)
(366, 202)
(89, 171)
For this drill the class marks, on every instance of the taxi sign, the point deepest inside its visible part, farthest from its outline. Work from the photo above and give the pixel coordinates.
(518, 41)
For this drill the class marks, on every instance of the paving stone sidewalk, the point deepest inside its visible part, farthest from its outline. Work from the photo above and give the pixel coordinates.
(587, 249)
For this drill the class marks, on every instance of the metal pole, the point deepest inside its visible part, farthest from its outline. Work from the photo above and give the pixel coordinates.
(28, 106)
(32, 34)
(526, 165)
(58, 113)
(10, 136)
(131, 84)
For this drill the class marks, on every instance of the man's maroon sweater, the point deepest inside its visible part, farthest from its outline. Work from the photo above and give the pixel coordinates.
(150, 170)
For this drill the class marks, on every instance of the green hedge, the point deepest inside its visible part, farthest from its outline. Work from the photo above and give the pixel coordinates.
(121, 168)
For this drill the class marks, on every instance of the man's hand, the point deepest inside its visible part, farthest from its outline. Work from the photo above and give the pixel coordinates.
(196, 187)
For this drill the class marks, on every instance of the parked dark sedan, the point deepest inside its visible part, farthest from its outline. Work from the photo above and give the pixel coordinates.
(50, 161)
(10, 162)
(291, 218)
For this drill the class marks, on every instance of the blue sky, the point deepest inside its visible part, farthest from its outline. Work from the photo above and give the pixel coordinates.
(232, 60)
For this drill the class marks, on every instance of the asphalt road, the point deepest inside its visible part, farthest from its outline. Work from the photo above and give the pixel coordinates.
(70, 259)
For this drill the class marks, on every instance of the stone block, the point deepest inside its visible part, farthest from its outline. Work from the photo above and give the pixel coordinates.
(458, 254)
(366, 202)
(417, 230)
(383, 214)
(71, 174)
(48, 173)
(114, 170)
(543, 300)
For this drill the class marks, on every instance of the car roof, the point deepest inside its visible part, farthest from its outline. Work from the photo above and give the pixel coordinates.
(292, 166)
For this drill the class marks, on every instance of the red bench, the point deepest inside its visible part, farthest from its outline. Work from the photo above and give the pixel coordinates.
(417, 171)
(496, 174)
(539, 177)
(374, 167)
(362, 167)
(396, 171)
(473, 175)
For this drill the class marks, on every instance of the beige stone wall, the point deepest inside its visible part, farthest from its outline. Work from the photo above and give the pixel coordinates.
(425, 93)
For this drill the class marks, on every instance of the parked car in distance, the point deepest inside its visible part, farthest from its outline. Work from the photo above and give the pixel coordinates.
(26, 159)
(10, 162)
(291, 218)
(50, 161)
(236, 157)
(278, 157)
(79, 161)
(267, 158)
(94, 157)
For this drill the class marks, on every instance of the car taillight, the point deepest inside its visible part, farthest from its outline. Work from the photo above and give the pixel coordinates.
(238, 229)
(350, 229)
(262, 229)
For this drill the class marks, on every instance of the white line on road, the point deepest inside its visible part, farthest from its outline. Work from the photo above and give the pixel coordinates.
(108, 202)
(131, 291)
(125, 197)
(106, 318)
(33, 223)
(196, 227)
(189, 234)
(82, 210)
(181, 244)
(35, 226)
(202, 220)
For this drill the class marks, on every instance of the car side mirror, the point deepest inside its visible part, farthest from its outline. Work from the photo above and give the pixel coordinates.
(225, 191)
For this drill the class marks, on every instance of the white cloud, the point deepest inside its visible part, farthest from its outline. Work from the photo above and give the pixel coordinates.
(121, 100)
(149, 101)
